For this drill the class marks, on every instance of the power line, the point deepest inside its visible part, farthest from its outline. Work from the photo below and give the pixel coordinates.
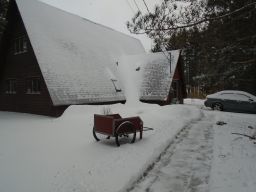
(127, 1)
(146, 5)
(137, 5)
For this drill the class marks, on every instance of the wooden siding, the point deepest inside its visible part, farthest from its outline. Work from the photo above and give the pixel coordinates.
(21, 67)
(179, 78)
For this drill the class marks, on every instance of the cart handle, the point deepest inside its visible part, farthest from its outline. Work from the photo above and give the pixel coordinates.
(148, 129)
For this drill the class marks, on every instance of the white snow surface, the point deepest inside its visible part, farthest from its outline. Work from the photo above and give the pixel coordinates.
(45, 154)
(234, 156)
(73, 53)
(194, 101)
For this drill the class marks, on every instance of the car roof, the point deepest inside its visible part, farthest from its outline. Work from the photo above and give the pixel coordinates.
(235, 92)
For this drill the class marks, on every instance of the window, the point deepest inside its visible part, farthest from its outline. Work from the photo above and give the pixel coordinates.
(116, 85)
(33, 85)
(10, 86)
(175, 89)
(234, 96)
(113, 79)
(20, 45)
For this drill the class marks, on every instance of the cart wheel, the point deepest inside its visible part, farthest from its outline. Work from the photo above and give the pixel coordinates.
(123, 131)
(99, 136)
(94, 135)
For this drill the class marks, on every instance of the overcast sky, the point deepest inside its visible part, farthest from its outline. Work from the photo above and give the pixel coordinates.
(112, 13)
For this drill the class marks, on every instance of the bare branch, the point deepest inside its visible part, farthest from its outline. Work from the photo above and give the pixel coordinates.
(147, 30)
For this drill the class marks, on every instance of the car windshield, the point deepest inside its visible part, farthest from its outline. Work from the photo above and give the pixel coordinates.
(234, 96)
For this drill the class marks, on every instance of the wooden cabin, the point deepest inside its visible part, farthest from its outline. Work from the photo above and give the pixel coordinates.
(164, 82)
(51, 59)
(161, 78)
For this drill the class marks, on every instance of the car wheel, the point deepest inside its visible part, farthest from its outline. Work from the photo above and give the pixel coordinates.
(217, 107)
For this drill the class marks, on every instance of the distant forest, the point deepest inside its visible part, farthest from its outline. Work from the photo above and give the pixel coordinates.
(218, 39)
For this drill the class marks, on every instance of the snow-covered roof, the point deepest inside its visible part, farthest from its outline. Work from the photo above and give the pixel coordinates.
(148, 76)
(158, 75)
(76, 56)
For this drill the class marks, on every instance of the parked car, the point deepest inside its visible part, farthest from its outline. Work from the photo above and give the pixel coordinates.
(233, 101)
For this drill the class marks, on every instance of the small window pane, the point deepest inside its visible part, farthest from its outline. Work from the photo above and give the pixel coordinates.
(33, 86)
(25, 46)
(175, 89)
(20, 45)
(11, 86)
(234, 96)
(116, 85)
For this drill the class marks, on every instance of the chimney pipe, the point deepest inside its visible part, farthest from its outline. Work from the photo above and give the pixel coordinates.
(170, 63)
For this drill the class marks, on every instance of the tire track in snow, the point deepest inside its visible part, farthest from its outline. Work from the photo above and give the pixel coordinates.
(185, 163)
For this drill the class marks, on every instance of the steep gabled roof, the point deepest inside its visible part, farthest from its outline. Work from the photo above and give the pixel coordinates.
(158, 75)
(74, 54)
(148, 76)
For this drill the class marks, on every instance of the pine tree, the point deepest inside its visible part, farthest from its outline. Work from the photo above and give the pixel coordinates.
(218, 37)
(233, 46)
(3, 11)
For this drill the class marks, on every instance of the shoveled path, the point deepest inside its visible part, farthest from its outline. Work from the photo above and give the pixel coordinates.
(186, 163)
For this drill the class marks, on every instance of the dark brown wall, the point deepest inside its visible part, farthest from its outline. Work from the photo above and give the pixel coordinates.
(21, 67)
(179, 77)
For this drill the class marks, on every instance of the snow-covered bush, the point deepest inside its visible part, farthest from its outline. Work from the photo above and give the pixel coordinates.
(106, 110)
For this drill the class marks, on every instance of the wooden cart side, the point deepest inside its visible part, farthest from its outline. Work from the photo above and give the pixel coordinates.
(104, 124)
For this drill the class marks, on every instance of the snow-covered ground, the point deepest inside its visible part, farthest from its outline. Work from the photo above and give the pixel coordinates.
(196, 102)
(185, 164)
(206, 157)
(46, 154)
(234, 156)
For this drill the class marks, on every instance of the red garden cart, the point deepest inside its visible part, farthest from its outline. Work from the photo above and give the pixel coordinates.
(115, 126)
